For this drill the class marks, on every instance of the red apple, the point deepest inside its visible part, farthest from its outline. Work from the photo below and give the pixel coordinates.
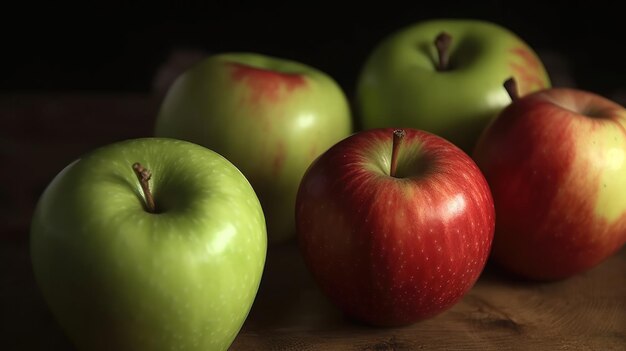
(555, 162)
(390, 247)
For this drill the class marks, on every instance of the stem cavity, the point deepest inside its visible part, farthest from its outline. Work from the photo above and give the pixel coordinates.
(442, 43)
(144, 175)
(398, 137)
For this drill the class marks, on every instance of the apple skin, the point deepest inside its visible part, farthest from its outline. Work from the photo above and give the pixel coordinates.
(118, 277)
(391, 251)
(399, 85)
(555, 163)
(268, 116)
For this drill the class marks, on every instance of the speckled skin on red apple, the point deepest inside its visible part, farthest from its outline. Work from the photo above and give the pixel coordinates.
(394, 250)
(558, 180)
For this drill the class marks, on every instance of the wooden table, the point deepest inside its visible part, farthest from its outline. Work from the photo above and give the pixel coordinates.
(40, 134)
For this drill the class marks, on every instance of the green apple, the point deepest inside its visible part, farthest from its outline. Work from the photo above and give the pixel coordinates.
(270, 117)
(445, 77)
(119, 274)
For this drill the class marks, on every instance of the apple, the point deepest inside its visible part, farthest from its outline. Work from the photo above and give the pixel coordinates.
(168, 258)
(394, 229)
(445, 76)
(270, 117)
(556, 164)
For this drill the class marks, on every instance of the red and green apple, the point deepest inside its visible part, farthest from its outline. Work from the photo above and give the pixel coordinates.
(445, 76)
(556, 164)
(271, 117)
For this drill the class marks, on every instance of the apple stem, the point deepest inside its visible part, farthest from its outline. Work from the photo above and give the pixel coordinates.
(398, 136)
(144, 175)
(442, 42)
(511, 87)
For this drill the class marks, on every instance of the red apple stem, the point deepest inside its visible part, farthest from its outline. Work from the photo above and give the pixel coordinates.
(442, 43)
(511, 87)
(144, 175)
(398, 136)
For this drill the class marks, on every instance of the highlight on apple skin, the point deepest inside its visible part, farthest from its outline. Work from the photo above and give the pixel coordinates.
(556, 164)
(122, 272)
(394, 229)
(445, 76)
(269, 116)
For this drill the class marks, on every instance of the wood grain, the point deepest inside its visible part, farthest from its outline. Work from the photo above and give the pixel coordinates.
(587, 312)
(40, 134)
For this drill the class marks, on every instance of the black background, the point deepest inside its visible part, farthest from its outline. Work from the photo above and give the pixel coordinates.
(101, 47)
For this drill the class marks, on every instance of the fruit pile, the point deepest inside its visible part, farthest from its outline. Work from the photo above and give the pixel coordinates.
(464, 152)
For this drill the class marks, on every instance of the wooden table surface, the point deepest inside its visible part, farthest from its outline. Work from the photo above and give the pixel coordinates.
(41, 133)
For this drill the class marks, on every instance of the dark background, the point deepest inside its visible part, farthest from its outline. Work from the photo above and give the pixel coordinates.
(94, 49)
(77, 76)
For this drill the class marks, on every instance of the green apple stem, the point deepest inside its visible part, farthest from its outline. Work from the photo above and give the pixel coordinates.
(511, 87)
(144, 175)
(398, 136)
(442, 42)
